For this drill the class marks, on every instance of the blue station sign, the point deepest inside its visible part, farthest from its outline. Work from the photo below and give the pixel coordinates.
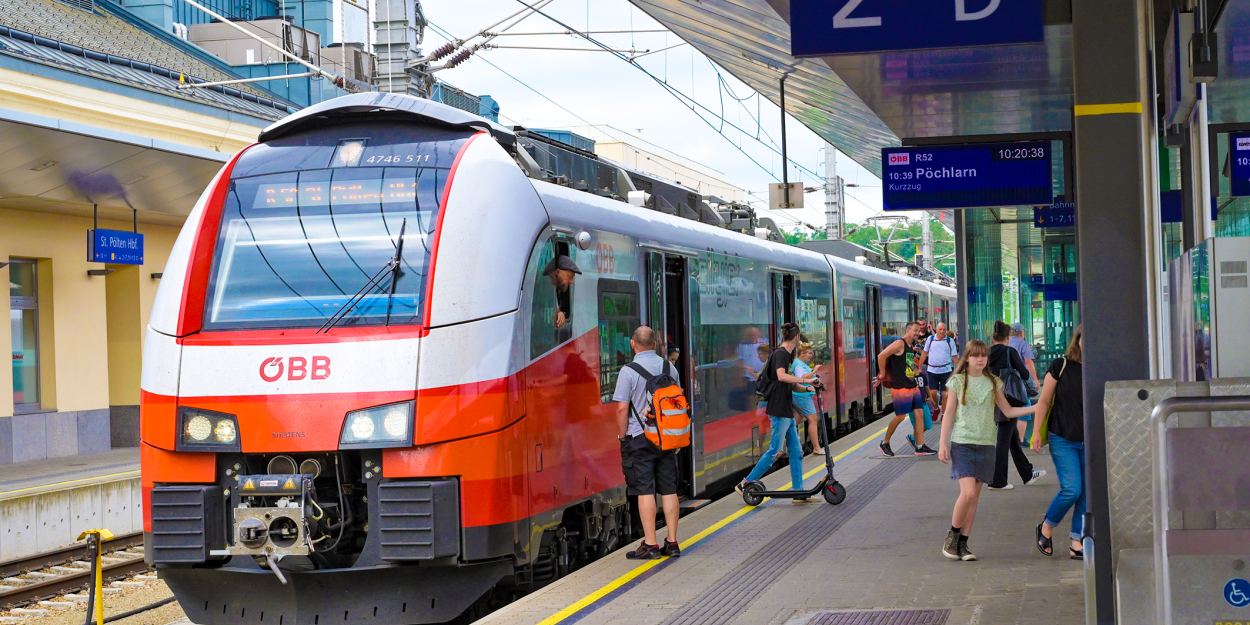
(828, 27)
(1058, 215)
(1240, 157)
(966, 176)
(119, 247)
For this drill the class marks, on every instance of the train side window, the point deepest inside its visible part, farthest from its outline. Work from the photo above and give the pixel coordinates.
(551, 312)
(619, 314)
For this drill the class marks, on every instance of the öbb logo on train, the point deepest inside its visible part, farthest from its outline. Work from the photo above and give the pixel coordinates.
(900, 158)
(296, 368)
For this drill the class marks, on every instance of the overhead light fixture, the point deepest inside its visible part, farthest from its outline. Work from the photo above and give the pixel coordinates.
(44, 165)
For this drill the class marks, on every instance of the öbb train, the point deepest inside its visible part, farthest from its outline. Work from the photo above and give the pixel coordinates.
(357, 405)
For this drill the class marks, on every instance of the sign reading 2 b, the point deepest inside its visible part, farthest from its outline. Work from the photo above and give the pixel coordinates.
(828, 27)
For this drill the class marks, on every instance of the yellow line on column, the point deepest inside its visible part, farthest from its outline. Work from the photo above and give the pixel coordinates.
(1117, 108)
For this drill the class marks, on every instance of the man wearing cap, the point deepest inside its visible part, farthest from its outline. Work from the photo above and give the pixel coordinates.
(1018, 343)
(563, 271)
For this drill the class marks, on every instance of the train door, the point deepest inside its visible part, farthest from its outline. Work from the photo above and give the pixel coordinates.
(873, 346)
(914, 312)
(784, 288)
(669, 315)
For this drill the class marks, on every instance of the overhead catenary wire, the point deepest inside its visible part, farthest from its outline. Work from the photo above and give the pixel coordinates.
(685, 99)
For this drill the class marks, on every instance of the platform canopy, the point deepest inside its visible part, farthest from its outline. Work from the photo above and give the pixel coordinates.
(861, 103)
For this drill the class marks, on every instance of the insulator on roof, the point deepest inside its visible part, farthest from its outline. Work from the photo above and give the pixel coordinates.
(459, 58)
(441, 52)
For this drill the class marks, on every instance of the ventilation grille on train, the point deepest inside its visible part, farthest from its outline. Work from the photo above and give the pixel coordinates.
(187, 522)
(418, 520)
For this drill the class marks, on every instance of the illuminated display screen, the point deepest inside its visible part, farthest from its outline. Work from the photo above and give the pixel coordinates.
(346, 193)
(966, 176)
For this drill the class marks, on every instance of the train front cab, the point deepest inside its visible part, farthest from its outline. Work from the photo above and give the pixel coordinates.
(298, 465)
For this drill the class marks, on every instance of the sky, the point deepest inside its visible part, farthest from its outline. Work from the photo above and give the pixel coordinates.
(601, 96)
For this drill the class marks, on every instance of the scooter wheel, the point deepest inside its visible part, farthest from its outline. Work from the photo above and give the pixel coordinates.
(751, 493)
(834, 492)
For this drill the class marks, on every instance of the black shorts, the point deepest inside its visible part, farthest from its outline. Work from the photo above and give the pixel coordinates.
(937, 381)
(648, 470)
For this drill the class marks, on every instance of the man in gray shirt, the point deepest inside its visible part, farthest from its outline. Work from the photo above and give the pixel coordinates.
(648, 470)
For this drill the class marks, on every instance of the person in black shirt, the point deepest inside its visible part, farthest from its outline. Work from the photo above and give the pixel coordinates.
(563, 271)
(1065, 427)
(1002, 357)
(896, 364)
(780, 410)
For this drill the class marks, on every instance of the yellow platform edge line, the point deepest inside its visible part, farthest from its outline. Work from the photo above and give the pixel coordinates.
(1117, 108)
(608, 588)
(60, 485)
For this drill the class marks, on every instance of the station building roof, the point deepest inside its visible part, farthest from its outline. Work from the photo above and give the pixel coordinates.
(110, 44)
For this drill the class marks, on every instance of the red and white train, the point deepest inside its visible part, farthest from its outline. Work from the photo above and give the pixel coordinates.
(357, 405)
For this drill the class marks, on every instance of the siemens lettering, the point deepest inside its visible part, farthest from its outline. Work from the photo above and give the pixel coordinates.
(945, 172)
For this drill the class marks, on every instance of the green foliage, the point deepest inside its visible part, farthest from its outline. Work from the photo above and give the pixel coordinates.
(905, 242)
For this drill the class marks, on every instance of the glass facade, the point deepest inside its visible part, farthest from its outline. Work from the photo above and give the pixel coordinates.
(24, 328)
(1022, 274)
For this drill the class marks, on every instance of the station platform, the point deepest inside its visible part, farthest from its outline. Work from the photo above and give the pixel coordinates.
(44, 505)
(875, 559)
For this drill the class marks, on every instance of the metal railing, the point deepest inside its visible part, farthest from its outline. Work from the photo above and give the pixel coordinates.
(1160, 482)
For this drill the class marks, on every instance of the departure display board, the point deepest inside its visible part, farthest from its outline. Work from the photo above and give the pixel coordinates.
(967, 176)
(1240, 157)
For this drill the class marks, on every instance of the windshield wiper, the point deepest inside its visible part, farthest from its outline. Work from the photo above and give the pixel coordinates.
(391, 266)
(396, 262)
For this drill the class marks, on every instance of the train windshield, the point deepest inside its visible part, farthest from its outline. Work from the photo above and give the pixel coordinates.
(312, 221)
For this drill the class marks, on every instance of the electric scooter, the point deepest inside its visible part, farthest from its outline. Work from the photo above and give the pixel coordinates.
(754, 493)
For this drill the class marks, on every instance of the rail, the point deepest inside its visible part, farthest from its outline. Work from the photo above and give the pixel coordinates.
(27, 580)
(1160, 482)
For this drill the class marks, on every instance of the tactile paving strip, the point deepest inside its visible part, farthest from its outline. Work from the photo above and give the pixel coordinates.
(727, 597)
(882, 617)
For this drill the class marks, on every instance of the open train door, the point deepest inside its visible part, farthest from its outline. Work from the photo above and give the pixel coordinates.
(668, 313)
(872, 343)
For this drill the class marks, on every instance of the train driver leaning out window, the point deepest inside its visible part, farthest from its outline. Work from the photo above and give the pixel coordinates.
(563, 271)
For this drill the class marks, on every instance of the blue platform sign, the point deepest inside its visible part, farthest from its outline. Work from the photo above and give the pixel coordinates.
(966, 176)
(119, 247)
(1237, 592)
(828, 27)
(1058, 215)
(1240, 144)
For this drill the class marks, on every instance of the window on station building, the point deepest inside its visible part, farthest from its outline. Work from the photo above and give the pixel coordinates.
(24, 329)
(619, 315)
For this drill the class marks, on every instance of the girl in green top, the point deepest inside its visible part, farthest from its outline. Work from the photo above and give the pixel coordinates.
(968, 437)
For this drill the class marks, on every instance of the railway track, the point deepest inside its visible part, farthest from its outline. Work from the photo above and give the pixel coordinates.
(42, 576)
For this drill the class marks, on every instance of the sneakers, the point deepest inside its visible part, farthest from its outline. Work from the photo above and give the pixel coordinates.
(645, 552)
(670, 549)
(950, 546)
(1037, 475)
(924, 450)
(1009, 486)
(885, 449)
(964, 554)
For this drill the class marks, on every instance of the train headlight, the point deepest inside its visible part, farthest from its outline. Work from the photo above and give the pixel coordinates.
(207, 430)
(389, 425)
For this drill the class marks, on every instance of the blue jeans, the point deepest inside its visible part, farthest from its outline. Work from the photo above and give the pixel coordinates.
(782, 426)
(1069, 460)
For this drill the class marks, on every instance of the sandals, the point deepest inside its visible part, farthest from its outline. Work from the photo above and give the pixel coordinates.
(1076, 554)
(1044, 544)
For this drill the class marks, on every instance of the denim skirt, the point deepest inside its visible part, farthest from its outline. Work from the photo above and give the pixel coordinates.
(975, 461)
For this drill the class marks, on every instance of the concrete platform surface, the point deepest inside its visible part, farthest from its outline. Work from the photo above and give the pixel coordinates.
(24, 478)
(873, 560)
(45, 504)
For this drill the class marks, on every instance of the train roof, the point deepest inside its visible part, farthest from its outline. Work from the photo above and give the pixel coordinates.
(355, 104)
(679, 234)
